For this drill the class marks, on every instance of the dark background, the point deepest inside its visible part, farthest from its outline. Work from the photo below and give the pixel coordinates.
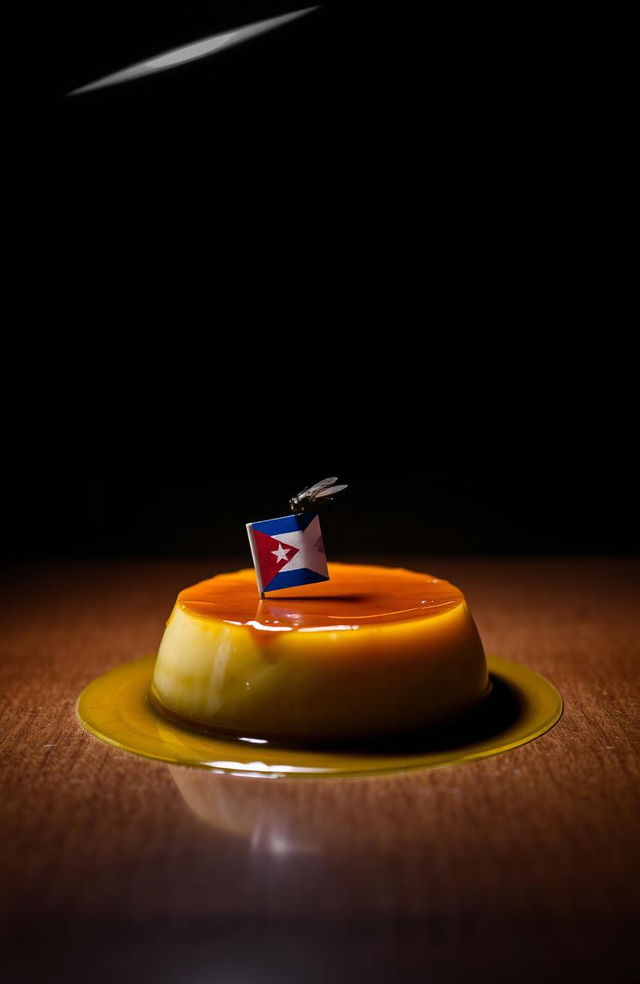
(356, 232)
(366, 158)
(446, 509)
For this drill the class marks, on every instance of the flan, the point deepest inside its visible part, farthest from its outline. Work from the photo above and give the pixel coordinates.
(372, 652)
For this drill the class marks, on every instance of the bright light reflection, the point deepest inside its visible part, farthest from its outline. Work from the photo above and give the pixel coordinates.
(191, 52)
(268, 628)
(262, 767)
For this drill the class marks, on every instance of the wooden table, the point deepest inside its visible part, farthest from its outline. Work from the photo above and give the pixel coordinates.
(520, 867)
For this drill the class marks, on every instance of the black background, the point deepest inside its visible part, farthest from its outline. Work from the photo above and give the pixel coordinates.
(383, 241)
(471, 155)
(388, 510)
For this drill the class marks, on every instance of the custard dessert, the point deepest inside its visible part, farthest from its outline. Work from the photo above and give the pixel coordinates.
(373, 652)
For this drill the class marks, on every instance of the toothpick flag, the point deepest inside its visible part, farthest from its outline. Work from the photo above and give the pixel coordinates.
(288, 551)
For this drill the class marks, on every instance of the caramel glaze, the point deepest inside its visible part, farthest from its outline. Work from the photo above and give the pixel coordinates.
(357, 595)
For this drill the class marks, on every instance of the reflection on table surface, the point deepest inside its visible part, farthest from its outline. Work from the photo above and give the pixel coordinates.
(511, 868)
(278, 820)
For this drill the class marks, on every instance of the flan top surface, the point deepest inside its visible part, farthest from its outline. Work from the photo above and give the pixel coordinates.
(356, 595)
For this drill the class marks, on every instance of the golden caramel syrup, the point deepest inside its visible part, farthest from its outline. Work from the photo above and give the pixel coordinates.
(116, 709)
(356, 596)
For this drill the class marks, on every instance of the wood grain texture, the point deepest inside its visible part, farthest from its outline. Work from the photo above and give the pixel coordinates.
(520, 867)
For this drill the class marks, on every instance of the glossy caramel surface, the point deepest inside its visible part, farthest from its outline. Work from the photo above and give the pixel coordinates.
(357, 595)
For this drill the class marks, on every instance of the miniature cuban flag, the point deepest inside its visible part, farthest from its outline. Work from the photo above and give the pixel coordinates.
(288, 551)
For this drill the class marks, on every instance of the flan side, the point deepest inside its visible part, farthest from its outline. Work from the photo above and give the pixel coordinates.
(374, 651)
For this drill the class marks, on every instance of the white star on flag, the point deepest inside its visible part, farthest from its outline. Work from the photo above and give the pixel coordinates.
(280, 553)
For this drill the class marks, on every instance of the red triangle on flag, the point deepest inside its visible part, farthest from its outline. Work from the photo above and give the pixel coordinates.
(273, 554)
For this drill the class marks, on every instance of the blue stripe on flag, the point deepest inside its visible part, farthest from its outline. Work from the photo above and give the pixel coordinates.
(289, 579)
(284, 524)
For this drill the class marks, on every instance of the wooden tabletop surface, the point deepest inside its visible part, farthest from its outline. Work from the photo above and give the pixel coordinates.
(523, 867)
